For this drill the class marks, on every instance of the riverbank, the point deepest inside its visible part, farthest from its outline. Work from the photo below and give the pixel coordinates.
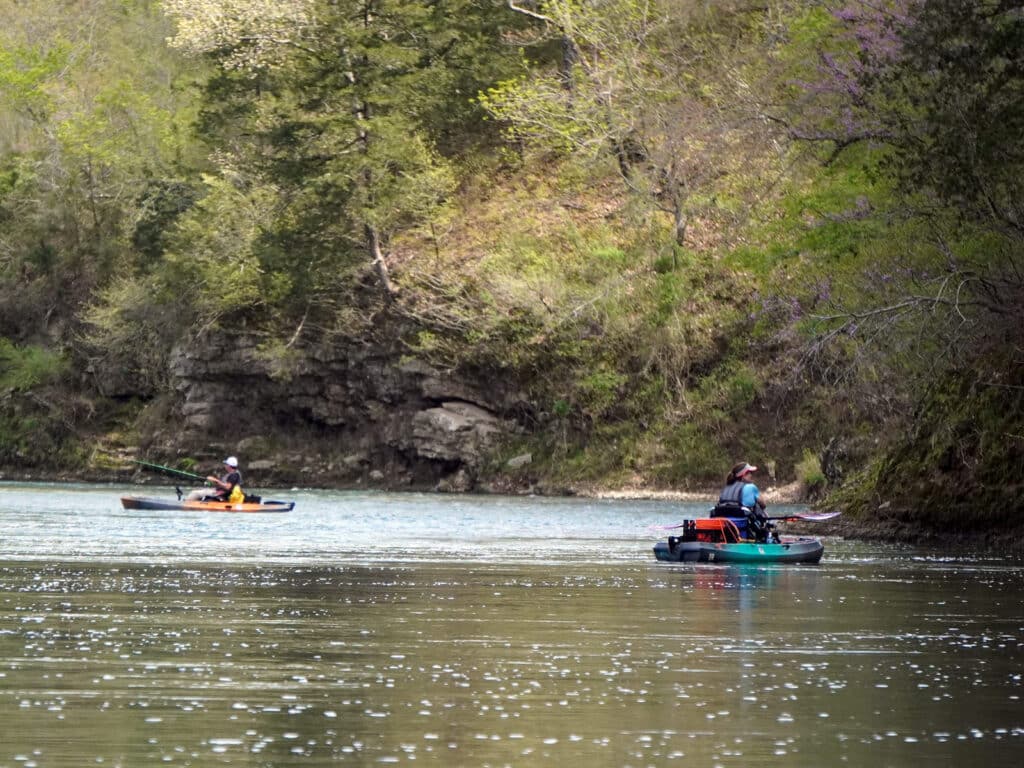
(790, 493)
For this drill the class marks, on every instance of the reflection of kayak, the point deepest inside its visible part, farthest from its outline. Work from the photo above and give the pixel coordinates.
(720, 540)
(184, 505)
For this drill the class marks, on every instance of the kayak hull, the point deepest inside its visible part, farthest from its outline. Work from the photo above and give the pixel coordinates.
(184, 505)
(801, 550)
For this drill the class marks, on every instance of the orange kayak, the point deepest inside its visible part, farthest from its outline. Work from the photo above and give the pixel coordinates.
(184, 505)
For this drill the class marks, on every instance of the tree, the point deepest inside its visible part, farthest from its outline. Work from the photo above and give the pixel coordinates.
(334, 104)
(926, 95)
(629, 84)
(959, 67)
(85, 130)
(938, 86)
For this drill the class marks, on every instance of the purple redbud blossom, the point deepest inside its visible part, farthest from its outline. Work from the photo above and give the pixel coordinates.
(824, 293)
(875, 31)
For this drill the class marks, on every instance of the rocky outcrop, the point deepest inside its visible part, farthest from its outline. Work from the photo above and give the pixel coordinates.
(337, 414)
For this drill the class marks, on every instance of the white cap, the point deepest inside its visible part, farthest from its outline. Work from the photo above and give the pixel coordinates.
(231, 461)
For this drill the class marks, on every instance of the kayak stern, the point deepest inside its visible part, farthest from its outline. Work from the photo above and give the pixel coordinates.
(802, 550)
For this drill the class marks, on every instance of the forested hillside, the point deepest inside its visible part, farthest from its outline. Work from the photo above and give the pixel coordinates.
(500, 244)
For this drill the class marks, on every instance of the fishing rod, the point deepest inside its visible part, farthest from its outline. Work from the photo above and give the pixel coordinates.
(170, 470)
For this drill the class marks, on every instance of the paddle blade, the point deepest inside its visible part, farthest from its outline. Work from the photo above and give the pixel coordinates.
(811, 516)
(656, 528)
(819, 515)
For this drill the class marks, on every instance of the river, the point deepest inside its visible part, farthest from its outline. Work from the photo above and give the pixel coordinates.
(374, 629)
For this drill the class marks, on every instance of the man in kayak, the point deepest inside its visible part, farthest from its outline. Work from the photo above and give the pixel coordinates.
(741, 498)
(227, 487)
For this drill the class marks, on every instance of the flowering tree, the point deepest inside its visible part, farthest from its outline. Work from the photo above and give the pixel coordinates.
(939, 83)
(932, 91)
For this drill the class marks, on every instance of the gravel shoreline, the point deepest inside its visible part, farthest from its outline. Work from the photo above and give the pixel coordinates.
(783, 494)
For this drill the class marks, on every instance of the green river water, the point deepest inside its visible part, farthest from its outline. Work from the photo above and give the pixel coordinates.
(373, 629)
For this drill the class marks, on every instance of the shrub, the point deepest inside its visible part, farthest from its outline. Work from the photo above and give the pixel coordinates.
(811, 476)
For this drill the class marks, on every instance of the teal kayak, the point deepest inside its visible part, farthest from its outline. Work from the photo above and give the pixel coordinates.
(726, 540)
(800, 550)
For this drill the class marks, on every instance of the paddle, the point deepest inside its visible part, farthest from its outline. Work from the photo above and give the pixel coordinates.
(810, 516)
(170, 470)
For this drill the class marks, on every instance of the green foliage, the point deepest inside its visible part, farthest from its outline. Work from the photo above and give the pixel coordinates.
(630, 87)
(279, 357)
(33, 426)
(91, 116)
(347, 134)
(730, 391)
(119, 128)
(23, 368)
(128, 334)
(161, 203)
(212, 262)
(32, 439)
(536, 108)
(599, 391)
(26, 70)
(561, 409)
(955, 472)
(810, 474)
(955, 97)
(693, 456)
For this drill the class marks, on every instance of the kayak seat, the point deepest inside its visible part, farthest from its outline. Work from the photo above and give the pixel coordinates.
(250, 499)
(727, 510)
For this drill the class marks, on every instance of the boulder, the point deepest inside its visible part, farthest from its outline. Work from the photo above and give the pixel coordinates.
(456, 431)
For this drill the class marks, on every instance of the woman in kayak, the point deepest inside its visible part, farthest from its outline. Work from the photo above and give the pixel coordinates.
(225, 488)
(741, 498)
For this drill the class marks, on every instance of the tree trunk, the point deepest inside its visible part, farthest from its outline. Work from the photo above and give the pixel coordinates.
(679, 222)
(570, 55)
(379, 265)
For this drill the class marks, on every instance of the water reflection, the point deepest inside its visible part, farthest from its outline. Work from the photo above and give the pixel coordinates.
(739, 577)
(478, 650)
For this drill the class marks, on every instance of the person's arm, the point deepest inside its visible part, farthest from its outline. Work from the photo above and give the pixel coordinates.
(753, 492)
(219, 483)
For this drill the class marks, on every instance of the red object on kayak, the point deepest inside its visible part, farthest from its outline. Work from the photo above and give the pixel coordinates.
(717, 530)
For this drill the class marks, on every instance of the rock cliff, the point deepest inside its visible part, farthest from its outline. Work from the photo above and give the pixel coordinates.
(344, 413)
